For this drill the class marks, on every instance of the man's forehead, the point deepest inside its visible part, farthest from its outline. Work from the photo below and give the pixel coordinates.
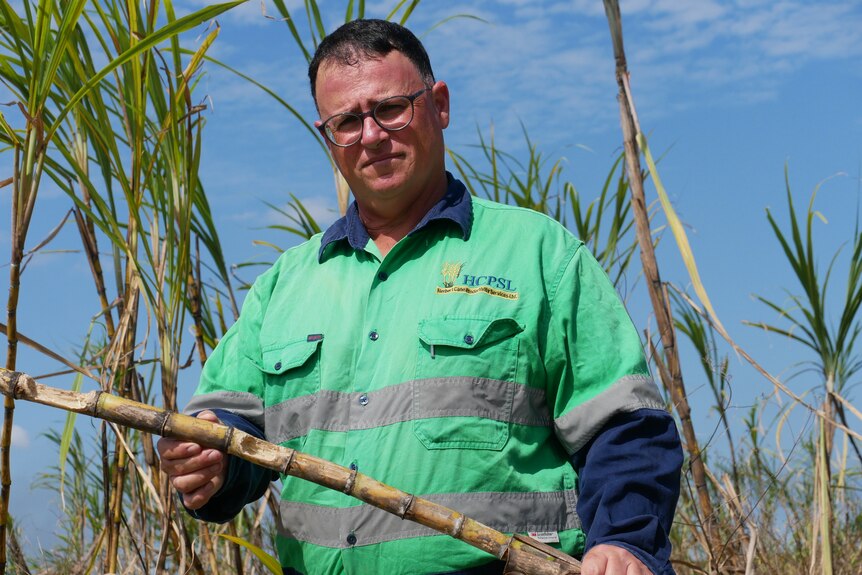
(369, 76)
(357, 60)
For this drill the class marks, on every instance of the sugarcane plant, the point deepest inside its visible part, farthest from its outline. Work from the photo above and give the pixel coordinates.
(139, 127)
(805, 320)
(669, 365)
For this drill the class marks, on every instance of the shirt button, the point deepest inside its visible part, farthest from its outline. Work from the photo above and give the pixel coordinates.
(468, 339)
(373, 336)
(277, 366)
(383, 276)
(363, 399)
(351, 539)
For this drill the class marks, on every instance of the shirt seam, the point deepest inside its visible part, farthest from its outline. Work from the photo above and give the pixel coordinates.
(555, 284)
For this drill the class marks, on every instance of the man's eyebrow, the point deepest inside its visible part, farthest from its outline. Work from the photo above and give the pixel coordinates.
(356, 108)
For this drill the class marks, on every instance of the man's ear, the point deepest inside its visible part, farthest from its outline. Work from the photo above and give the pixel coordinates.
(440, 95)
(318, 124)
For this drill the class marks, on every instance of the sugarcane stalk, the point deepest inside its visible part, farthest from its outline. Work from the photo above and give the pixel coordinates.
(194, 295)
(118, 475)
(672, 373)
(210, 548)
(115, 507)
(523, 555)
(27, 174)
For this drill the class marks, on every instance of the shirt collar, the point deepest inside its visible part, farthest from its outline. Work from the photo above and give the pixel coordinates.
(455, 206)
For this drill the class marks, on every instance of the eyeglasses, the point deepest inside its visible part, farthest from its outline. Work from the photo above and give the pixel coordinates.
(391, 114)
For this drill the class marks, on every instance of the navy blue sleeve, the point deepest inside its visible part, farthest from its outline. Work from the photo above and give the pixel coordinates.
(628, 485)
(245, 481)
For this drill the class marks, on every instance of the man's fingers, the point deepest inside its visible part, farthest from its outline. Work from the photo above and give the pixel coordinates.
(196, 472)
(187, 483)
(594, 564)
(173, 449)
(198, 498)
(186, 465)
(612, 560)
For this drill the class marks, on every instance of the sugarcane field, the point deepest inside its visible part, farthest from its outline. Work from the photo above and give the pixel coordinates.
(523, 287)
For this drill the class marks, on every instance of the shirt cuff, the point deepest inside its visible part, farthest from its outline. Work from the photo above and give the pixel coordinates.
(629, 482)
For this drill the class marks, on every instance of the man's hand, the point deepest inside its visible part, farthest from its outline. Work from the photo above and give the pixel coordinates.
(196, 472)
(612, 560)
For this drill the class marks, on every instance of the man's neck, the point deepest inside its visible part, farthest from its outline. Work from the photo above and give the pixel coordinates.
(387, 229)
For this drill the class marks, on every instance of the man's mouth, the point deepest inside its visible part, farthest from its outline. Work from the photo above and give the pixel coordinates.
(380, 159)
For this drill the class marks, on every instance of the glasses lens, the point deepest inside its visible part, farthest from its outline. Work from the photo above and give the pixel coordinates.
(344, 129)
(394, 113)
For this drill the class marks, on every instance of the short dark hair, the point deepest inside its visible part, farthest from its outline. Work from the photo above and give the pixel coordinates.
(370, 38)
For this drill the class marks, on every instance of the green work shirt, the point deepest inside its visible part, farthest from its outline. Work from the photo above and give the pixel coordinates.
(465, 367)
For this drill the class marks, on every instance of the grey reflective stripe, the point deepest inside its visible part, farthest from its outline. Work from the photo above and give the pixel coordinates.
(629, 393)
(242, 403)
(462, 397)
(507, 512)
(452, 396)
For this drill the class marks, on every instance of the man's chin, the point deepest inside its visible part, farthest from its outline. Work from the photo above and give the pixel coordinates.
(386, 184)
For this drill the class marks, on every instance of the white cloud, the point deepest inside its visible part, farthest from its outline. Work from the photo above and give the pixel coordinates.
(550, 64)
(813, 32)
(20, 437)
(672, 14)
(714, 49)
(522, 65)
(596, 9)
(756, 30)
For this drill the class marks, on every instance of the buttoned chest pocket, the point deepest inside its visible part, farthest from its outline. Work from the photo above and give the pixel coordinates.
(291, 369)
(465, 374)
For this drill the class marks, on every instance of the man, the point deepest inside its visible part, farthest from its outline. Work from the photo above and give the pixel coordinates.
(471, 353)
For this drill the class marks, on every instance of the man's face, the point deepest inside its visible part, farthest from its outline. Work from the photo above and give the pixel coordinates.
(386, 170)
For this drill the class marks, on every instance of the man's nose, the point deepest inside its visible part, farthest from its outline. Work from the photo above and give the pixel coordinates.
(372, 133)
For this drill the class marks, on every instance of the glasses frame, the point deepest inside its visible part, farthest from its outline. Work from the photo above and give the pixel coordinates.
(373, 114)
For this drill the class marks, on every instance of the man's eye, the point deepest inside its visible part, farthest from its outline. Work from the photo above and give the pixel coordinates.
(346, 124)
(390, 110)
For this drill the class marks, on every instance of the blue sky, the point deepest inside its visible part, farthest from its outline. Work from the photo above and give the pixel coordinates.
(730, 93)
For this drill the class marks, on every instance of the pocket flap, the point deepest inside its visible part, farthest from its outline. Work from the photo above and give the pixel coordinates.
(467, 333)
(283, 357)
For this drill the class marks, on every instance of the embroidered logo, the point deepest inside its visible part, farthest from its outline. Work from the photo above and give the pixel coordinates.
(450, 273)
(471, 284)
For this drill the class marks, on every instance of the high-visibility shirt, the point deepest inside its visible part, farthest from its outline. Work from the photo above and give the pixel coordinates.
(465, 367)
